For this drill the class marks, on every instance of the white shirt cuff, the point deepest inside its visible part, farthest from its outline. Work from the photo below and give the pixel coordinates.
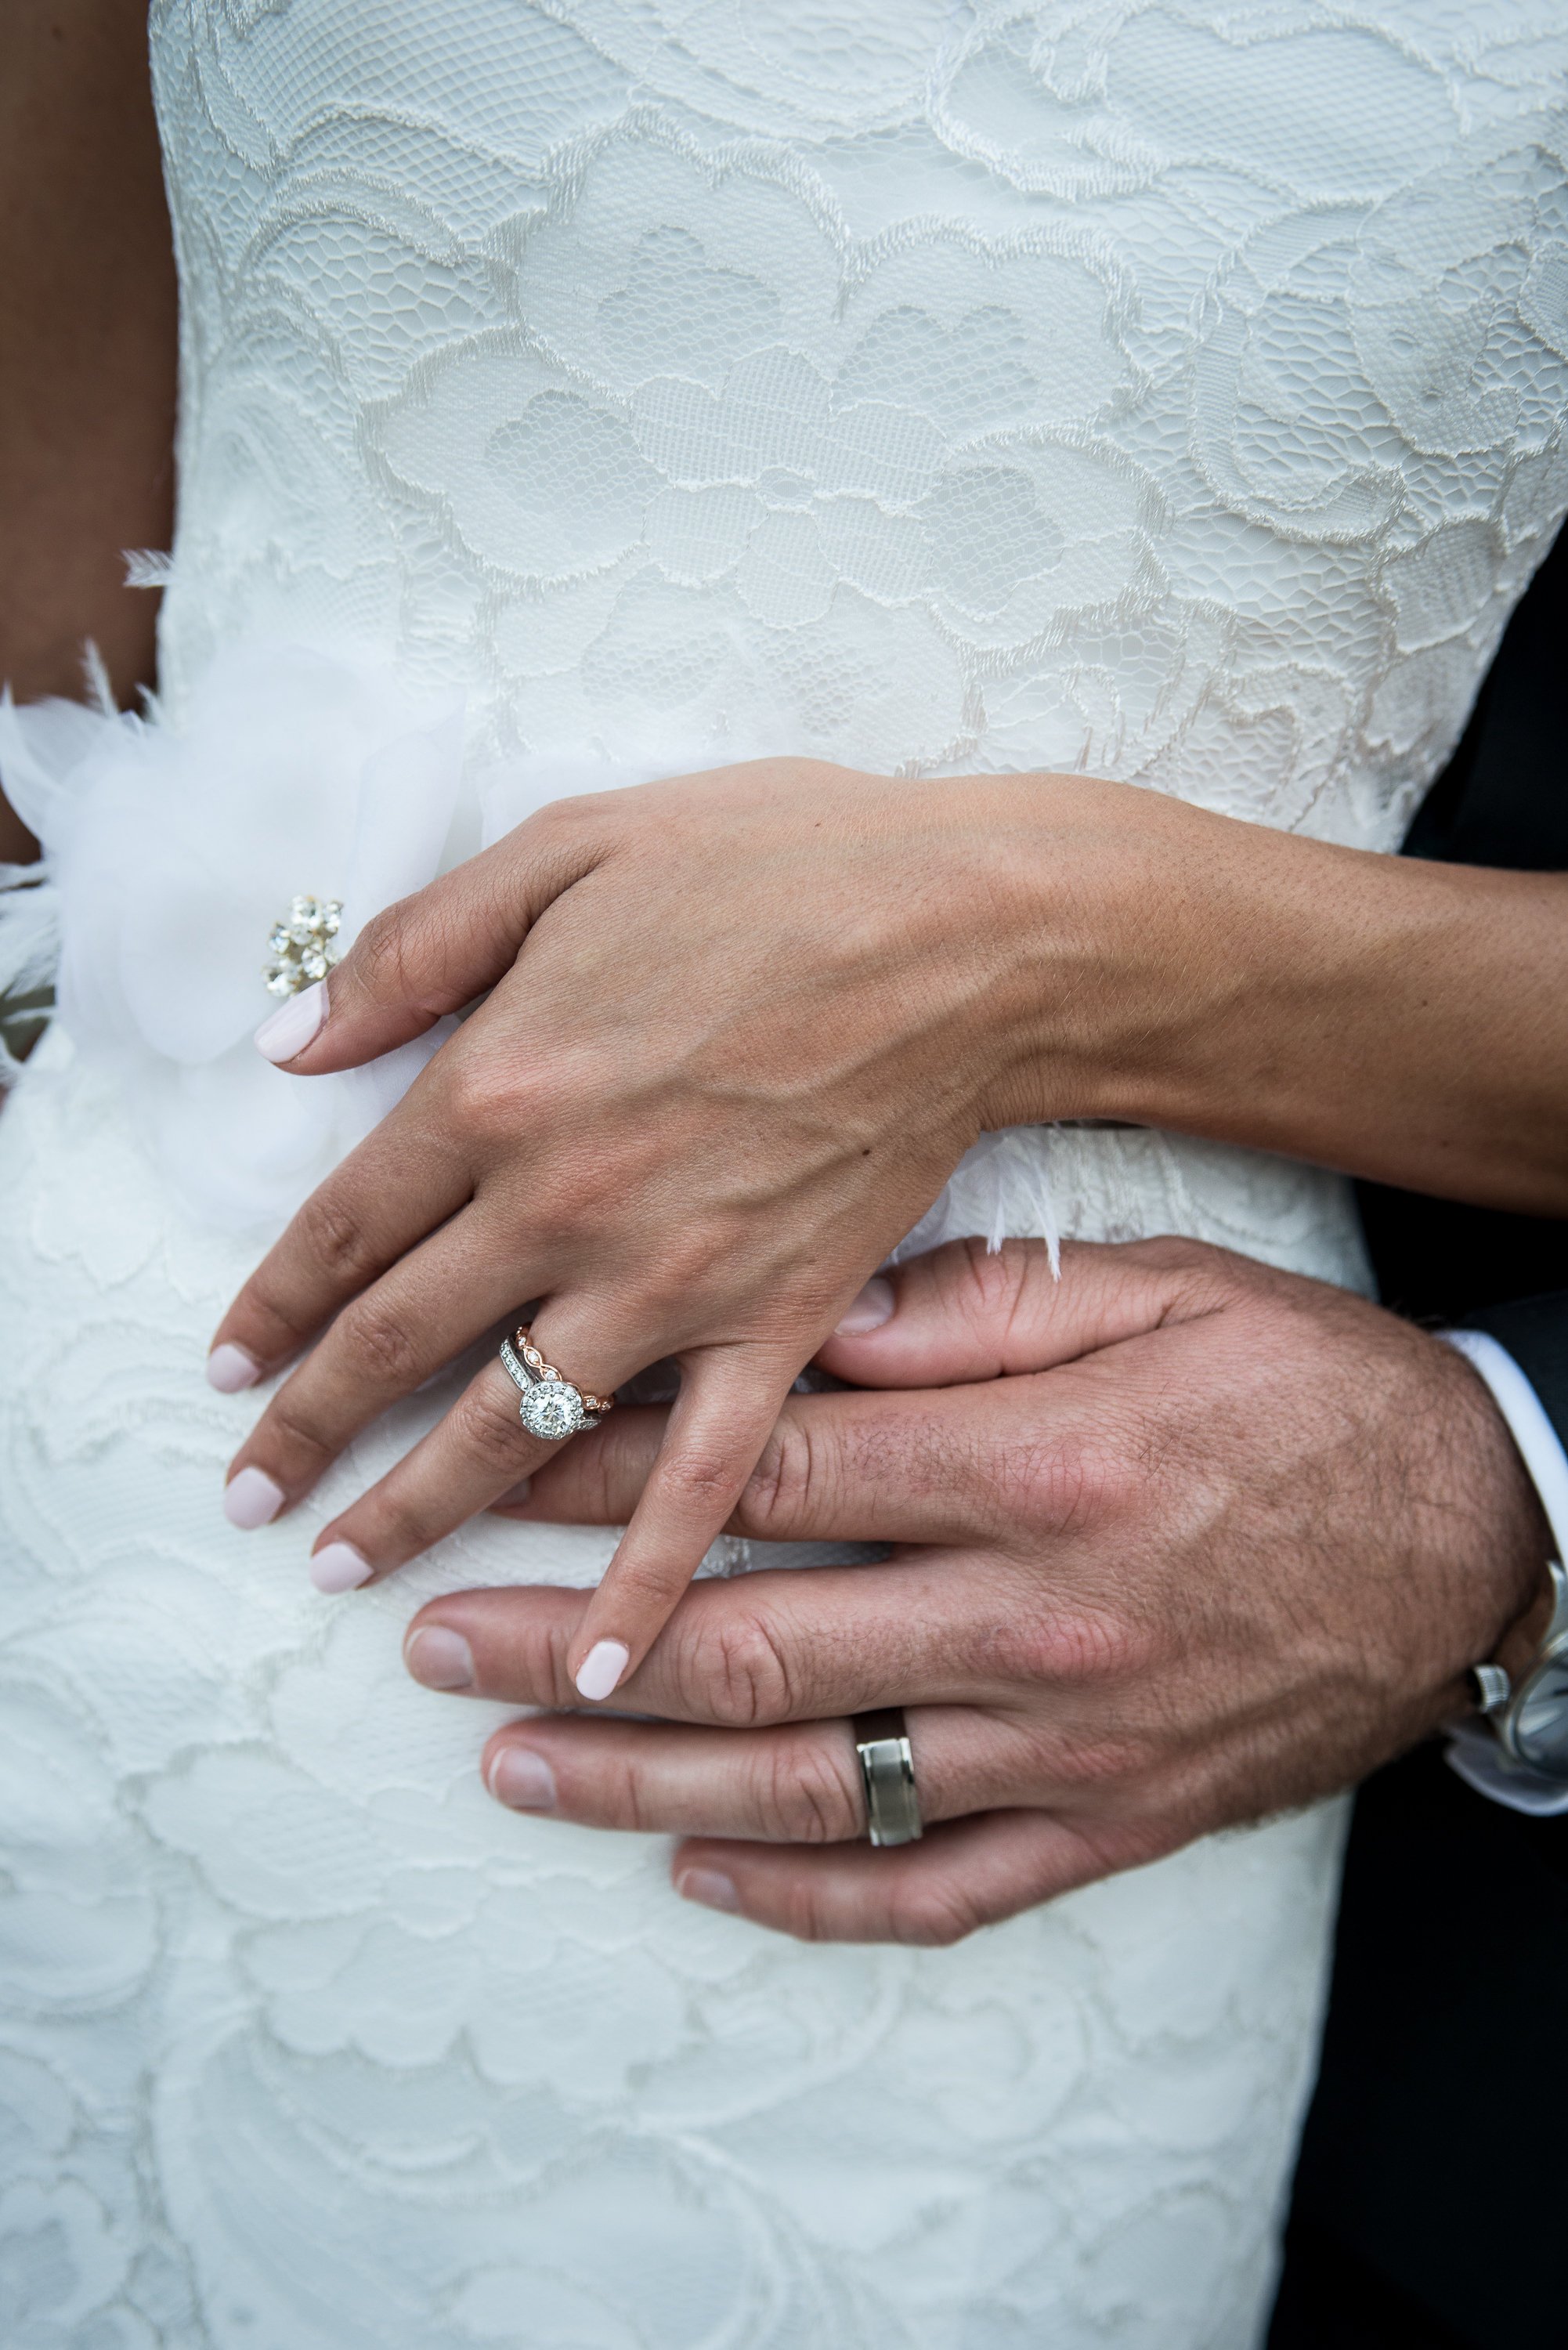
(1473, 1752)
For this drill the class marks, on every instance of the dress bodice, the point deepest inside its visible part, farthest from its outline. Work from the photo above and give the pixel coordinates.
(1170, 389)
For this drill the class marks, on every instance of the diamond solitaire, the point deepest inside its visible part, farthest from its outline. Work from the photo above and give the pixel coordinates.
(551, 1408)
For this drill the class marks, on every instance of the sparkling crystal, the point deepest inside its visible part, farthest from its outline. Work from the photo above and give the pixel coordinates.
(552, 1410)
(304, 944)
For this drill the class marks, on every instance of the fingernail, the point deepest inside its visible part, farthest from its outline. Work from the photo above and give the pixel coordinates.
(515, 1498)
(873, 1307)
(439, 1658)
(250, 1498)
(339, 1566)
(229, 1369)
(289, 1029)
(709, 1885)
(602, 1667)
(520, 1777)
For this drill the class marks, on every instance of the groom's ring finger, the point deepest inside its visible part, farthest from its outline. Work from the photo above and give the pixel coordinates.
(799, 1783)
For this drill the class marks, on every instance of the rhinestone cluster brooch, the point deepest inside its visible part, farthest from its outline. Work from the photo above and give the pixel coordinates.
(304, 945)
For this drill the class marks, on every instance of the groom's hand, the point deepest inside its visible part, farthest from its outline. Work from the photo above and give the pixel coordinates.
(1181, 1540)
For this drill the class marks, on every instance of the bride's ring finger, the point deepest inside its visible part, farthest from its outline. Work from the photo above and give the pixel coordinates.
(481, 1448)
(799, 1783)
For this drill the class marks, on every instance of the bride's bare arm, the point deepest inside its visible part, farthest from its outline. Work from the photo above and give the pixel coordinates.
(1391, 1017)
(739, 1028)
(87, 360)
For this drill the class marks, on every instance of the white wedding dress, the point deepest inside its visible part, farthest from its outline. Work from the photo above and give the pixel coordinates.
(577, 390)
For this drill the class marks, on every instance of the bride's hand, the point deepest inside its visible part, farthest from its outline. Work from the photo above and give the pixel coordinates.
(740, 1028)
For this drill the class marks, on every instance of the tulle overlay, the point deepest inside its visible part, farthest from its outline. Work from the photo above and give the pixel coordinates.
(576, 392)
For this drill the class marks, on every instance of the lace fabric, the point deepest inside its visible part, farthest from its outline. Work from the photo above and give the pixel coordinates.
(1170, 389)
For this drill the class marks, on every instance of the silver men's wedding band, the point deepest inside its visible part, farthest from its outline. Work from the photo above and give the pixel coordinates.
(551, 1407)
(887, 1773)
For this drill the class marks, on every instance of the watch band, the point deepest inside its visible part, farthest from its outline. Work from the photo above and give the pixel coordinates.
(1530, 1718)
(1527, 1718)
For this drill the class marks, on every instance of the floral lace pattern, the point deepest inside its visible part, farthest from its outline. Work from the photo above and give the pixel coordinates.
(1169, 388)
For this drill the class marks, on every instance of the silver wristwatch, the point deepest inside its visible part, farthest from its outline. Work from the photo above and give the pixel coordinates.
(1530, 1718)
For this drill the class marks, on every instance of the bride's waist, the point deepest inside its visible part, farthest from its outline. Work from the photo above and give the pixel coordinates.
(75, 1133)
(293, 774)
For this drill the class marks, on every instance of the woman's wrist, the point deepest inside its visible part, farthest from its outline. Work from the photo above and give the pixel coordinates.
(1182, 968)
(1103, 899)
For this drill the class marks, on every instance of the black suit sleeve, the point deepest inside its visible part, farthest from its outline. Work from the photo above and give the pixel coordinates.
(1503, 801)
(1428, 2201)
(1535, 1332)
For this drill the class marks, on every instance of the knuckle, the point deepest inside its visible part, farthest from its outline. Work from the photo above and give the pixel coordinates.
(808, 1914)
(487, 1428)
(1107, 1760)
(1066, 1487)
(649, 1587)
(803, 1791)
(700, 1479)
(682, 1267)
(1072, 1644)
(777, 1493)
(336, 1239)
(375, 1331)
(485, 1102)
(1174, 1252)
(617, 1801)
(381, 954)
(935, 1911)
(293, 1419)
(737, 1673)
(995, 1280)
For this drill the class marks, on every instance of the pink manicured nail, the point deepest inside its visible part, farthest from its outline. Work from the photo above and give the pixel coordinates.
(229, 1369)
(522, 1778)
(439, 1658)
(602, 1667)
(709, 1885)
(289, 1029)
(515, 1495)
(874, 1306)
(339, 1566)
(252, 1499)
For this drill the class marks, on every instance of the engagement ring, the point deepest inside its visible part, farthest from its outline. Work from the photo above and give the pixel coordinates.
(551, 1408)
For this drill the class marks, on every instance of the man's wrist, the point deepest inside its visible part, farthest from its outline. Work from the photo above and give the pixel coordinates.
(1478, 1757)
(1539, 1446)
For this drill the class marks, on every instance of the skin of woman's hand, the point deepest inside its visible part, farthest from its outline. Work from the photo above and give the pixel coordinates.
(1176, 1542)
(740, 1028)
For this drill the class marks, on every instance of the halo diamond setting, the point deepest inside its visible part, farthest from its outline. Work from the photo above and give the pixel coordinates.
(549, 1406)
(552, 1409)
